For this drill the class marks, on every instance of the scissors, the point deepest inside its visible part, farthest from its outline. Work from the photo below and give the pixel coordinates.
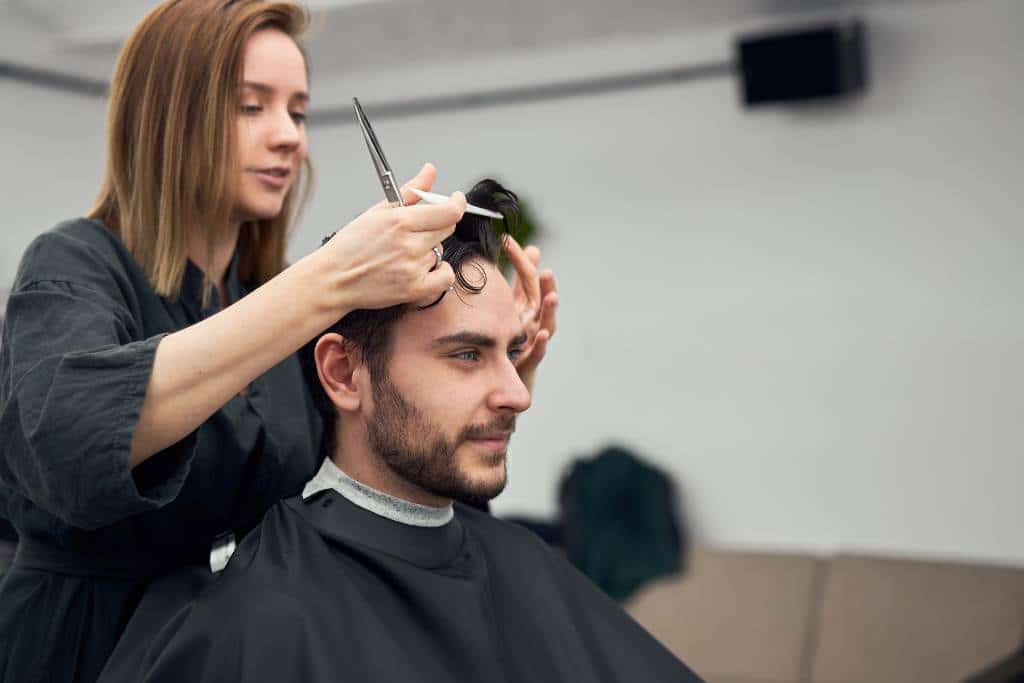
(387, 176)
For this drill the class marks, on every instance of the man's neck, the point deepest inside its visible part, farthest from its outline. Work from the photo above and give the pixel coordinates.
(353, 456)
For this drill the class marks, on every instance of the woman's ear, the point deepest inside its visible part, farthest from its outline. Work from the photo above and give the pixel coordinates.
(338, 367)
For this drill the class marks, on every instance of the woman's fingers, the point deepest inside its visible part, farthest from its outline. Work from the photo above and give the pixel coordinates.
(548, 310)
(549, 301)
(433, 217)
(541, 328)
(424, 180)
(527, 284)
(519, 294)
(432, 260)
(434, 283)
(540, 347)
(389, 251)
(527, 367)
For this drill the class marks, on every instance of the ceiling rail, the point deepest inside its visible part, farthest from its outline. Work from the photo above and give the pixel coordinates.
(500, 97)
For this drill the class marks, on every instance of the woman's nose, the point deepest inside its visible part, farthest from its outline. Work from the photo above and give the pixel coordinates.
(286, 131)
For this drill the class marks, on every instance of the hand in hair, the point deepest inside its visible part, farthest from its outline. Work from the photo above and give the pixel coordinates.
(384, 257)
(536, 300)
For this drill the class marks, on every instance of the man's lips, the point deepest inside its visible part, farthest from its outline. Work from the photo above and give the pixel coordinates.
(495, 441)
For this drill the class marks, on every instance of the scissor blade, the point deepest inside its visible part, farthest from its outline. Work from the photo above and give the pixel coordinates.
(380, 163)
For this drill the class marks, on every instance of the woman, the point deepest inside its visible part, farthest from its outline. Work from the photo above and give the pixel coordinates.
(150, 398)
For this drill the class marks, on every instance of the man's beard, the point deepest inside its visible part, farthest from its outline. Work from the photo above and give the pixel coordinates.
(417, 450)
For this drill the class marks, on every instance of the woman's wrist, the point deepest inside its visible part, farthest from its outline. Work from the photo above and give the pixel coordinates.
(326, 287)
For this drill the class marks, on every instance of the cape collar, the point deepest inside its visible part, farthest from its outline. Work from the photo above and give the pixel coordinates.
(331, 476)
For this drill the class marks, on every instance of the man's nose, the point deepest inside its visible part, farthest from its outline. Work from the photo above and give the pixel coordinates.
(511, 393)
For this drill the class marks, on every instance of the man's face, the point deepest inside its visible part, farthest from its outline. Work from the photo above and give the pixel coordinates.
(442, 417)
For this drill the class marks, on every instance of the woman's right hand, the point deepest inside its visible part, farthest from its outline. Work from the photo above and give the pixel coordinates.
(385, 256)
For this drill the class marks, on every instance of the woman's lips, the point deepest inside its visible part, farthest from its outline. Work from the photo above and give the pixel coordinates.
(271, 180)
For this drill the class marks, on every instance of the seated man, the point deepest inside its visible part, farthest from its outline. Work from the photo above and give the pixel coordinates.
(373, 573)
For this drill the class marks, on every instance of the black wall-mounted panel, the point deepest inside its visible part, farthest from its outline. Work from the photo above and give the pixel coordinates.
(823, 62)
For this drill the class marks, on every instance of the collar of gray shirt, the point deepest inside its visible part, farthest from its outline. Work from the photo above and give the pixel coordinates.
(330, 476)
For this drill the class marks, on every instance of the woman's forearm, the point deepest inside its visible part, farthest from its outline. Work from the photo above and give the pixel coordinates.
(200, 368)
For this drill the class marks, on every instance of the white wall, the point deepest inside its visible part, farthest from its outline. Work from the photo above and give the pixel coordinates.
(811, 316)
(53, 152)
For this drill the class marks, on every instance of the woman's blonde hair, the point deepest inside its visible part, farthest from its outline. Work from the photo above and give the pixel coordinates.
(174, 103)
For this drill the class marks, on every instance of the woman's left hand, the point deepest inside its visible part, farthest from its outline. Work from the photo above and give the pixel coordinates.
(536, 299)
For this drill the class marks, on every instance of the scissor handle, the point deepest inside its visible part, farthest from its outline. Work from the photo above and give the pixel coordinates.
(391, 191)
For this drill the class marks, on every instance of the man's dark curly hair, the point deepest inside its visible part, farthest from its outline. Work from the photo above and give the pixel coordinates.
(369, 330)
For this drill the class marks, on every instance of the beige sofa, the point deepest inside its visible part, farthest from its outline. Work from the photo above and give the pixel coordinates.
(741, 617)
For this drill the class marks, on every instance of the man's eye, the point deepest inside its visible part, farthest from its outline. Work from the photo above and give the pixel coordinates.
(471, 355)
(514, 354)
(298, 117)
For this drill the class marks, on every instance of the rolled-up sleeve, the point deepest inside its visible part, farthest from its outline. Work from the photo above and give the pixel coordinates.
(72, 385)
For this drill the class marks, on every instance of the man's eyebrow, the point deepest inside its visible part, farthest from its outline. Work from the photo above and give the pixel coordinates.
(466, 337)
(477, 339)
(268, 89)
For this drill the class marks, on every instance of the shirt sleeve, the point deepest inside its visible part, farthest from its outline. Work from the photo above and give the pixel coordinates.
(73, 378)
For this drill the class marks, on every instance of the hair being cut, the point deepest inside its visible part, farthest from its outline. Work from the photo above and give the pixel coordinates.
(368, 331)
(171, 151)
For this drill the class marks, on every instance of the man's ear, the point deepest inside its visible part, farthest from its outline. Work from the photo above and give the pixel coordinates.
(339, 369)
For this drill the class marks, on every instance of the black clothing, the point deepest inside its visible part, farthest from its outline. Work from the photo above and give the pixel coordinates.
(81, 331)
(1010, 669)
(326, 591)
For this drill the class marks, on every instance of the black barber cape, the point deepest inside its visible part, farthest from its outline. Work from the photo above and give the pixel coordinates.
(325, 591)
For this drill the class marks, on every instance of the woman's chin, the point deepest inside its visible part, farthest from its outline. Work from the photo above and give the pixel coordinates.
(264, 212)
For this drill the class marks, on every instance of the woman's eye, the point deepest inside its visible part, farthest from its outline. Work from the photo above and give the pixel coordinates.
(298, 117)
(514, 354)
(251, 109)
(467, 355)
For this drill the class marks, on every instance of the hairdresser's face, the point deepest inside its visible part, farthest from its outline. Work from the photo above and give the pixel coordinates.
(271, 124)
(443, 417)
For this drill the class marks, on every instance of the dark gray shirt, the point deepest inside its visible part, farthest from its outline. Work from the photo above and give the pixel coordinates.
(81, 331)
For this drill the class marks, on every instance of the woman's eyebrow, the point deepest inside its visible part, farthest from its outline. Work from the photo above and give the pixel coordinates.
(270, 90)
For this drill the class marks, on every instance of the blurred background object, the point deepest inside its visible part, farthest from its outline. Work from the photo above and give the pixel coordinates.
(743, 616)
(620, 521)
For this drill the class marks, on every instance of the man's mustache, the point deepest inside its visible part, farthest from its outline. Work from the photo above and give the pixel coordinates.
(502, 423)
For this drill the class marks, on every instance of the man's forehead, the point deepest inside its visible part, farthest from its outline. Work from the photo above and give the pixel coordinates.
(490, 312)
